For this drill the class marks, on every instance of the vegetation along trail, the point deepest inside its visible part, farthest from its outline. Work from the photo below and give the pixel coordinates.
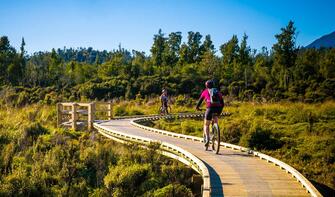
(233, 173)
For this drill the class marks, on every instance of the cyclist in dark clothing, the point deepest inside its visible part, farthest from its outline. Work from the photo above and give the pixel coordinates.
(214, 106)
(164, 101)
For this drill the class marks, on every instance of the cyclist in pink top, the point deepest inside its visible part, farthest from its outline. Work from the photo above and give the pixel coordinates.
(214, 105)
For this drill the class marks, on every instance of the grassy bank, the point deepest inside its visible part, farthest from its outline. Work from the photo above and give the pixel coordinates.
(38, 159)
(302, 135)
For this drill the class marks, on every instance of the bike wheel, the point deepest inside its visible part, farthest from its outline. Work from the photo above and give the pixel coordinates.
(160, 110)
(216, 138)
(206, 144)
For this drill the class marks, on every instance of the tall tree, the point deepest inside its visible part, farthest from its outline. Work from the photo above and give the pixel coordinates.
(171, 49)
(10, 63)
(327, 64)
(194, 42)
(207, 45)
(229, 52)
(4, 44)
(22, 50)
(157, 48)
(285, 53)
(183, 54)
(4, 58)
(23, 60)
(244, 68)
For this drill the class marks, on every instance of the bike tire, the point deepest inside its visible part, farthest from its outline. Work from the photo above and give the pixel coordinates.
(206, 145)
(160, 110)
(216, 138)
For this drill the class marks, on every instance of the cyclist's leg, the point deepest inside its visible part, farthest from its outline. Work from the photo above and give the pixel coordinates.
(206, 131)
(166, 108)
(207, 122)
(215, 119)
(160, 110)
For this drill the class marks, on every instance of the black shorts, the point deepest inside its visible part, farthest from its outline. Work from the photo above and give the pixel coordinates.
(211, 111)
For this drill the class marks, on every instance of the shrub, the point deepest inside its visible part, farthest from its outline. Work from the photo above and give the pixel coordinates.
(187, 127)
(120, 111)
(135, 112)
(173, 190)
(32, 132)
(126, 178)
(260, 138)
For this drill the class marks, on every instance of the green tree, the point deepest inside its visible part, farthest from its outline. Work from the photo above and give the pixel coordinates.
(157, 48)
(285, 53)
(207, 45)
(10, 63)
(183, 54)
(244, 69)
(307, 65)
(327, 64)
(229, 52)
(194, 44)
(171, 49)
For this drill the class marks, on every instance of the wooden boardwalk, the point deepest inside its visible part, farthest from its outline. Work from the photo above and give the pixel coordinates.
(232, 173)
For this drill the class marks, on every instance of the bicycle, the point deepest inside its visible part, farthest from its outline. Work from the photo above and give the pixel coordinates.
(164, 110)
(214, 136)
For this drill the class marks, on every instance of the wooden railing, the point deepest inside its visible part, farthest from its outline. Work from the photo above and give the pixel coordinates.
(70, 114)
(166, 149)
(289, 169)
(90, 110)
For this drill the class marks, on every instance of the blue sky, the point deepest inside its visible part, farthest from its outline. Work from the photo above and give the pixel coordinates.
(104, 24)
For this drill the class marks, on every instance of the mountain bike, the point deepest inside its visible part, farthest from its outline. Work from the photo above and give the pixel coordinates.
(164, 110)
(214, 135)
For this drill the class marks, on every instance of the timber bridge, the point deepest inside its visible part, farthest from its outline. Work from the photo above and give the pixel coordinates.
(234, 172)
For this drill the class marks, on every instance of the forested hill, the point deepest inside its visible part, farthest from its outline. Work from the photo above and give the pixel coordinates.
(326, 41)
(284, 72)
(86, 55)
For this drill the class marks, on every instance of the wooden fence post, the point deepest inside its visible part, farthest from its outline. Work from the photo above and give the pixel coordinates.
(110, 111)
(59, 114)
(91, 117)
(74, 116)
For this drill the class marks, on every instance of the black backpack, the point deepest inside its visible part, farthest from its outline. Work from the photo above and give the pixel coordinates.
(214, 95)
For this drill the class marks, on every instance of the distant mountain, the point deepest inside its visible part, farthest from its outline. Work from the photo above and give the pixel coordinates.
(326, 41)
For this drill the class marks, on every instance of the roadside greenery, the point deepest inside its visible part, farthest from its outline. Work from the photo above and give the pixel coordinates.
(38, 159)
(302, 135)
(284, 72)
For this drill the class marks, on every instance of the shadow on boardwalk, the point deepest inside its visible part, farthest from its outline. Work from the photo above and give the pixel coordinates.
(216, 184)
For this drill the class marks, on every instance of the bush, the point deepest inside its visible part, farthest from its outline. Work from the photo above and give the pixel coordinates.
(120, 111)
(135, 112)
(232, 133)
(32, 132)
(173, 190)
(260, 139)
(126, 178)
(187, 127)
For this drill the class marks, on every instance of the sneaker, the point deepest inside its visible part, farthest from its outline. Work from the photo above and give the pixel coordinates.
(206, 146)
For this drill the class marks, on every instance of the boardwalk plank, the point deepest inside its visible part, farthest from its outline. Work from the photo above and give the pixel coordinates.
(232, 173)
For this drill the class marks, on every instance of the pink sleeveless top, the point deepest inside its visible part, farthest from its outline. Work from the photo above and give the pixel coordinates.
(205, 95)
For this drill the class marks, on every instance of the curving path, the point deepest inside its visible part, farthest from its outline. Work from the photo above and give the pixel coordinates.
(231, 173)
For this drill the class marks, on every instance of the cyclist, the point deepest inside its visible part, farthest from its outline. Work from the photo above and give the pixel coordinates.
(214, 105)
(164, 101)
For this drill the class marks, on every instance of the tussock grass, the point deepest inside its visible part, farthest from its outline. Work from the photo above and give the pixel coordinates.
(38, 159)
(302, 135)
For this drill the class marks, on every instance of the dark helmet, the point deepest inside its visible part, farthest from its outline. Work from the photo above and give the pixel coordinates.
(209, 84)
(164, 90)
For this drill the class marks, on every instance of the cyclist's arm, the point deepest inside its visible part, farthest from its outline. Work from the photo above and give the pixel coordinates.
(221, 101)
(161, 98)
(199, 102)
